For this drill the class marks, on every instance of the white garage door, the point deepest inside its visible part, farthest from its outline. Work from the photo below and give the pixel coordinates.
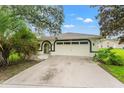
(75, 48)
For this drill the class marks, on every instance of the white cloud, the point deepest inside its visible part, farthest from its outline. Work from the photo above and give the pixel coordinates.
(80, 18)
(88, 20)
(69, 26)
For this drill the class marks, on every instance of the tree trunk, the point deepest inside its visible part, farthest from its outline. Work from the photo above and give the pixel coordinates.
(3, 57)
(3, 60)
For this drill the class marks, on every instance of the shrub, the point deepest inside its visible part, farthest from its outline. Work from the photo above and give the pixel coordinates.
(107, 56)
(102, 55)
(14, 57)
(116, 59)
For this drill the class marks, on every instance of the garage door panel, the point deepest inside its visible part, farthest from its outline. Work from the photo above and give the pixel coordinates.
(76, 50)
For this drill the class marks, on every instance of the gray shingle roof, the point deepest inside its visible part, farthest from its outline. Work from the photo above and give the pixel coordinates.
(71, 35)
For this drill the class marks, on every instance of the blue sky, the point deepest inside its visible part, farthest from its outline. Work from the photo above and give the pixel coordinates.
(80, 19)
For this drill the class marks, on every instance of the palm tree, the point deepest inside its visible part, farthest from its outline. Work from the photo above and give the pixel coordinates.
(13, 33)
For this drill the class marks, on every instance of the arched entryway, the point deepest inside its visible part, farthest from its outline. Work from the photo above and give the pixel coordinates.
(46, 47)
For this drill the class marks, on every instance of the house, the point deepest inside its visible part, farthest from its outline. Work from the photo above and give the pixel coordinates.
(107, 43)
(121, 40)
(73, 44)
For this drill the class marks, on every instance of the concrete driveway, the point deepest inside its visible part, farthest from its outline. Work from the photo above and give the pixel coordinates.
(64, 71)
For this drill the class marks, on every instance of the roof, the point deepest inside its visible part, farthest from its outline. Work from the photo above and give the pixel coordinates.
(70, 35)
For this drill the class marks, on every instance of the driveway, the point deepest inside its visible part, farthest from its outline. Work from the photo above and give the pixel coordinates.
(64, 71)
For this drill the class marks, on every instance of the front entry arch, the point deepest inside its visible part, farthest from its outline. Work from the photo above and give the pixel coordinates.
(46, 47)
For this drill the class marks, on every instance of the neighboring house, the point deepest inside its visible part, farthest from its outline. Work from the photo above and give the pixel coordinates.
(121, 39)
(73, 44)
(107, 43)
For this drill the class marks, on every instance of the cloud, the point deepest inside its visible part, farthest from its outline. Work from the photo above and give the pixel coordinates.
(80, 18)
(88, 20)
(69, 26)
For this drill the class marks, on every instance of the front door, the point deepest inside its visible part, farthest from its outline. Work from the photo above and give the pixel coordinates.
(46, 48)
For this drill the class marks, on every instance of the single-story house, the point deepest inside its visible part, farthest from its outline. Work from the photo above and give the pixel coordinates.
(73, 44)
(107, 43)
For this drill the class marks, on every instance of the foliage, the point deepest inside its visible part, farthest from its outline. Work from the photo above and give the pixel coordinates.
(111, 19)
(4, 21)
(25, 42)
(15, 34)
(5, 24)
(15, 28)
(107, 56)
(119, 52)
(42, 17)
(14, 57)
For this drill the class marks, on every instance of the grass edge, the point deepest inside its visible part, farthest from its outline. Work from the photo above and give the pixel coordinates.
(108, 71)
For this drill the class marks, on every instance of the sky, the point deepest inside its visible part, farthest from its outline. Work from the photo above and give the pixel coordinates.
(80, 19)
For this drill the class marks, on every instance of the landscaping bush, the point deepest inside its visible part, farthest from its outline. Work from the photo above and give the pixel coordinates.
(14, 57)
(102, 55)
(109, 56)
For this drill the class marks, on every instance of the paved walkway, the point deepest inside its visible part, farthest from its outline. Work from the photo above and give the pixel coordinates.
(64, 71)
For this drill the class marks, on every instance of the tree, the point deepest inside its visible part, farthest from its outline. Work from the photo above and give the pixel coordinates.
(43, 18)
(5, 22)
(14, 33)
(111, 19)
(25, 42)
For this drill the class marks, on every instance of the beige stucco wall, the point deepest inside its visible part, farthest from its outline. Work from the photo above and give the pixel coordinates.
(94, 44)
(74, 50)
(109, 43)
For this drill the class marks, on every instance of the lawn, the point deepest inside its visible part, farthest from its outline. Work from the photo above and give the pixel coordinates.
(115, 65)
(9, 71)
(116, 71)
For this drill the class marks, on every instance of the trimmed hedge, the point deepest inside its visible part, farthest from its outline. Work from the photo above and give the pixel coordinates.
(110, 56)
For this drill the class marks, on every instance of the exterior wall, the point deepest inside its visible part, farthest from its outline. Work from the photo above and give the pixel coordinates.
(74, 50)
(110, 43)
(40, 45)
(94, 44)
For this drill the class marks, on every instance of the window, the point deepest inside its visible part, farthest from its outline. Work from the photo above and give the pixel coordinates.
(75, 42)
(83, 42)
(67, 43)
(59, 43)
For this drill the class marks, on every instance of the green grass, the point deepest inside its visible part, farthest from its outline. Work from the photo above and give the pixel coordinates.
(11, 70)
(116, 71)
